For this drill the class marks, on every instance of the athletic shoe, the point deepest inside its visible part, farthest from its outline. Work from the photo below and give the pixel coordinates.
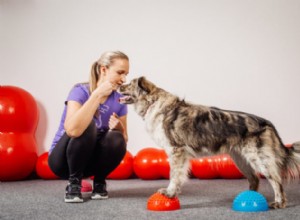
(99, 191)
(73, 193)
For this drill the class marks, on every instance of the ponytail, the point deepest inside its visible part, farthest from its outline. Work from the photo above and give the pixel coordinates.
(95, 74)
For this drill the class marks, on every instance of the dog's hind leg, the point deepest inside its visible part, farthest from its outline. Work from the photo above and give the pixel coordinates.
(271, 171)
(280, 197)
(179, 167)
(263, 160)
(246, 169)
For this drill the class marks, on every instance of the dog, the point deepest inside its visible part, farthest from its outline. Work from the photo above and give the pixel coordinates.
(186, 131)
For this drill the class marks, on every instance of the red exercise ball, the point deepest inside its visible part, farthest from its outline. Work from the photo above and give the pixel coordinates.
(204, 168)
(146, 164)
(18, 122)
(42, 168)
(227, 168)
(124, 170)
(164, 165)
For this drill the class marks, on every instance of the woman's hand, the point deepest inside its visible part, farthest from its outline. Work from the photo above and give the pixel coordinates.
(115, 123)
(118, 123)
(103, 90)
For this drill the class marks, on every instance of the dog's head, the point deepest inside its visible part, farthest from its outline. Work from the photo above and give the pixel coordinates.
(136, 90)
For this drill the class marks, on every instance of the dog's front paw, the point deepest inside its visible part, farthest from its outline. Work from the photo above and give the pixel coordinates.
(167, 193)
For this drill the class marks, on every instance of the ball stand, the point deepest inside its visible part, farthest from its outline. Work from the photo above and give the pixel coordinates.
(159, 202)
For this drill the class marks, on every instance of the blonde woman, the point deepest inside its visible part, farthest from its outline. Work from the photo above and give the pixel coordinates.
(92, 135)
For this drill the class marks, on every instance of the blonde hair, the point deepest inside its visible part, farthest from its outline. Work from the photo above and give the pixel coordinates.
(106, 59)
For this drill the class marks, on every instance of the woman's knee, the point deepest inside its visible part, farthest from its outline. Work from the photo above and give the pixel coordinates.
(116, 141)
(87, 139)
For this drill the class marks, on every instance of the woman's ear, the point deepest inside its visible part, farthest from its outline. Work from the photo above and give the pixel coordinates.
(103, 70)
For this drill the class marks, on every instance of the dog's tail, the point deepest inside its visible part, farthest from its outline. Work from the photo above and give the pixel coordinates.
(293, 162)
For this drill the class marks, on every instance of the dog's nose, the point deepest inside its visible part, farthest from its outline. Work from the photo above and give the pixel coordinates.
(121, 88)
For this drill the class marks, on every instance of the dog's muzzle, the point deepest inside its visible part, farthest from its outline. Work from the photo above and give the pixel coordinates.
(125, 99)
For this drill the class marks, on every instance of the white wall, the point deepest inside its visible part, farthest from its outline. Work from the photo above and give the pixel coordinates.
(233, 54)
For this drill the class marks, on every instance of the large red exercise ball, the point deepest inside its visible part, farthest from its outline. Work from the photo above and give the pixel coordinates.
(18, 122)
(124, 170)
(42, 168)
(146, 164)
(164, 165)
(204, 168)
(227, 168)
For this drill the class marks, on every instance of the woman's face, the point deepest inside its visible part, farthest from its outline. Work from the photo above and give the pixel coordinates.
(116, 73)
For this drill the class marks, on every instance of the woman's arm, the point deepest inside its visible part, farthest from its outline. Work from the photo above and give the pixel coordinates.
(123, 120)
(78, 117)
(119, 123)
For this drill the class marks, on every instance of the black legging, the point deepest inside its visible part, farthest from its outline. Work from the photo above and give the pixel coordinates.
(92, 154)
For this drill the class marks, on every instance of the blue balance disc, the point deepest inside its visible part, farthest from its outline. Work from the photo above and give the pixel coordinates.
(250, 201)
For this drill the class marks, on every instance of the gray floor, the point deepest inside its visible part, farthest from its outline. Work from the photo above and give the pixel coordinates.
(200, 199)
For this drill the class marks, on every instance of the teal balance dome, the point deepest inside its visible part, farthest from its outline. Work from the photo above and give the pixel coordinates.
(250, 201)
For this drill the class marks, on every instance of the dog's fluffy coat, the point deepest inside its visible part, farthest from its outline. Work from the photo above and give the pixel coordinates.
(186, 130)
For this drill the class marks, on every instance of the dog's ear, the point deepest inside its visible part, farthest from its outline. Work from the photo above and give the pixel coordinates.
(145, 85)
